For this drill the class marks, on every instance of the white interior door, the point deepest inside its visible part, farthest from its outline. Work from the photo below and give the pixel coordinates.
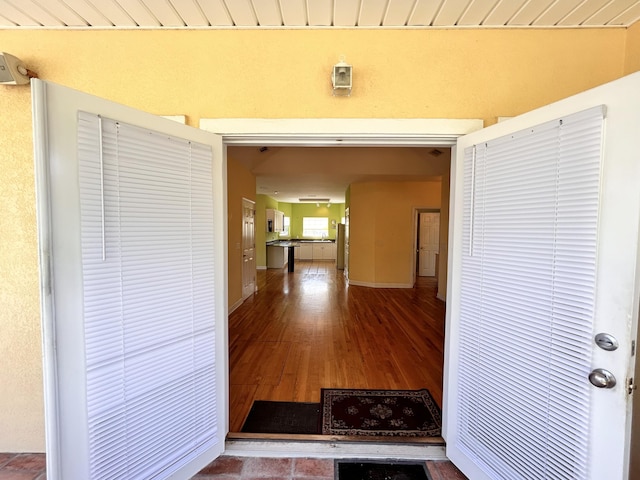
(429, 243)
(544, 256)
(248, 247)
(132, 242)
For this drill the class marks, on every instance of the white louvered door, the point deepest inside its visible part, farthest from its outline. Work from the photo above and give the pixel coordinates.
(544, 256)
(132, 238)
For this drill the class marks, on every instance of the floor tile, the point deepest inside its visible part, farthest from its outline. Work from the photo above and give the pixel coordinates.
(18, 475)
(267, 467)
(226, 465)
(5, 457)
(27, 461)
(312, 467)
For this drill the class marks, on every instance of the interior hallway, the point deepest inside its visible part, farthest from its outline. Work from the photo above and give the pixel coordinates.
(308, 330)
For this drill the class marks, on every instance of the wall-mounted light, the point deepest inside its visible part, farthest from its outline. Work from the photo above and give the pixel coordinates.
(13, 70)
(341, 78)
(328, 205)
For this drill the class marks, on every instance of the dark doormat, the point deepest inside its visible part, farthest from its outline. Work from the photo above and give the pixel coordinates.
(283, 417)
(380, 471)
(402, 413)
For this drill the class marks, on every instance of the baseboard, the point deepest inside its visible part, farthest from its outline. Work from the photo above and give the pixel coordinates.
(261, 267)
(441, 297)
(380, 285)
(236, 305)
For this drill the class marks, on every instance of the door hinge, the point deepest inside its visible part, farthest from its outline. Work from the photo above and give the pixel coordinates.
(633, 347)
(631, 386)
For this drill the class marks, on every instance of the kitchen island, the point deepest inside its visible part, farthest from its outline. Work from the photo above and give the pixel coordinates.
(281, 253)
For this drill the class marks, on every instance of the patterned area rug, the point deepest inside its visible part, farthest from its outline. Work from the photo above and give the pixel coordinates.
(403, 413)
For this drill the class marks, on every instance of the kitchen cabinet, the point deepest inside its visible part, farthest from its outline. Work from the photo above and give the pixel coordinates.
(274, 220)
(324, 251)
(306, 251)
(277, 257)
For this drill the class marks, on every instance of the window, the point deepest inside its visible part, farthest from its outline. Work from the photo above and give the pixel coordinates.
(285, 230)
(316, 227)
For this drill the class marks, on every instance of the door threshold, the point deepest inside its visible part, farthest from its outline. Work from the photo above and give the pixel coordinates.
(334, 446)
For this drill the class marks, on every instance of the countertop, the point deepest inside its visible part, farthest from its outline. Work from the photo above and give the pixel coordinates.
(295, 243)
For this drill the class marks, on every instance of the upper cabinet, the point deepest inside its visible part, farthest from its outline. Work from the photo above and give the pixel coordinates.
(274, 220)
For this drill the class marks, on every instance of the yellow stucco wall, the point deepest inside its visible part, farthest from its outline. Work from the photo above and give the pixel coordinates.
(258, 73)
(381, 237)
(632, 53)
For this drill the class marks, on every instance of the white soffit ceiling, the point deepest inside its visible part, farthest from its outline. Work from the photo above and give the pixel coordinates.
(316, 13)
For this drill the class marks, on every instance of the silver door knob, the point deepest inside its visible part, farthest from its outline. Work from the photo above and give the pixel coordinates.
(602, 378)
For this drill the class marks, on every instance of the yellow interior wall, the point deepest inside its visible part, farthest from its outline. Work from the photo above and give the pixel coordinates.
(241, 184)
(381, 237)
(258, 73)
(632, 52)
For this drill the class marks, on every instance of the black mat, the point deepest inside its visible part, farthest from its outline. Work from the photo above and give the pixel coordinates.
(283, 417)
(380, 471)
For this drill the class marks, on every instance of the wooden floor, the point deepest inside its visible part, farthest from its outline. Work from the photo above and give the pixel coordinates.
(308, 330)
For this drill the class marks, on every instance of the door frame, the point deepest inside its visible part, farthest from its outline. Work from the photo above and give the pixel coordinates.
(326, 133)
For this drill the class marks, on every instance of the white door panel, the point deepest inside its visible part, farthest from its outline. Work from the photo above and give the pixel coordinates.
(248, 248)
(429, 243)
(616, 281)
(64, 302)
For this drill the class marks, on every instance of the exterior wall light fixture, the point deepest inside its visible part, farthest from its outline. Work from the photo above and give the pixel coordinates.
(341, 78)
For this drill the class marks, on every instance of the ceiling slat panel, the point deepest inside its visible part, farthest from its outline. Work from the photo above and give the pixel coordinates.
(294, 12)
(609, 12)
(320, 12)
(530, 12)
(190, 12)
(372, 12)
(216, 12)
(451, 12)
(268, 12)
(89, 12)
(116, 14)
(503, 12)
(41, 15)
(164, 12)
(585, 10)
(557, 12)
(241, 12)
(629, 17)
(16, 15)
(346, 13)
(398, 13)
(139, 13)
(424, 12)
(477, 12)
(5, 22)
(64, 13)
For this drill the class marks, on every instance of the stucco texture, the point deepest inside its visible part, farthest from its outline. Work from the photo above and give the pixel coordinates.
(259, 73)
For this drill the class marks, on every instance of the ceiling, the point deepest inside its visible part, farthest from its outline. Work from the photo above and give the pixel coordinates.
(316, 13)
(326, 172)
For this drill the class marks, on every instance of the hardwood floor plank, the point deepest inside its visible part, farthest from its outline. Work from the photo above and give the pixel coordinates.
(308, 330)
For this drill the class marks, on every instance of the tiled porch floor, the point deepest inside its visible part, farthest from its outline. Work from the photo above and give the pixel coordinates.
(27, 466)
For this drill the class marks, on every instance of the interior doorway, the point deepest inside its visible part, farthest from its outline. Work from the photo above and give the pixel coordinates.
(428, 242)
(248, 247)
